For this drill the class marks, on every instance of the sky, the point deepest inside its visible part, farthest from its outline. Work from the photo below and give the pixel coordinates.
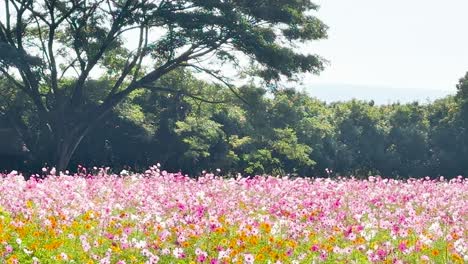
(400, 50)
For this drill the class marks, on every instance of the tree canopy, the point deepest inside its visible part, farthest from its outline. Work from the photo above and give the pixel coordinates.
(51, 50)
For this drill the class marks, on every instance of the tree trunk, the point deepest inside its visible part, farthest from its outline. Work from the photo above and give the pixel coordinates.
(63, 156)
(66, 147)
(68, 140)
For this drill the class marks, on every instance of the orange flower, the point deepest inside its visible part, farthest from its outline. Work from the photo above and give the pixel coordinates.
(34, 246)
(185, 244)
(265, 227)
(455, 236)
(359, 240)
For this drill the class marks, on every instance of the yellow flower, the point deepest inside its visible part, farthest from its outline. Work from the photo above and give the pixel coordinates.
(220, 230)
(274, 256)
(253, 240)
(222, 219)
(457, 258)
(224, 242)
(232, 243)
(311, 235)
(116, 248)
(29, 204)
(12, 259)
(280, 243)
(292, 243)
(260, 257)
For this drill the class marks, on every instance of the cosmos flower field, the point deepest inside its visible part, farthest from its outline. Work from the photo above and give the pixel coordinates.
(159, 217)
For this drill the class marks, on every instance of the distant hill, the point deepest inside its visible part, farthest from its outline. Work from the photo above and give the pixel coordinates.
(380, 95)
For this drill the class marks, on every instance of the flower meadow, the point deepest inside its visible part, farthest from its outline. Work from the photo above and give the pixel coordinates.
(159, 217)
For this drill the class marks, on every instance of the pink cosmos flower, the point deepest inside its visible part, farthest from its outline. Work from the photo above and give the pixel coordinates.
(249, 258)
(314, 248)
(402, 246)
(8, 249)
(201, 258)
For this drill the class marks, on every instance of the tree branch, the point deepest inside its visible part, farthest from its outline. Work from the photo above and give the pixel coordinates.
(70, 65)
(2, 33)
(28, 5)
(8, 17)
(50, 48)
(67, 14)
(15, 82)
(142, 52)
(183, 93)
(129, 66)
(78, 89)
(8, 37)
(43, 45)
(76, 49)
(219, 78)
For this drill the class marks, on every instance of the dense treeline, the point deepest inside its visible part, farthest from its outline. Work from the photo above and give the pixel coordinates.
(205, 127)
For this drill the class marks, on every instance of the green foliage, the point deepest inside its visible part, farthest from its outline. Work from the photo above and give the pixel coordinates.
(52, 52)
(286, 145)
(284, 132)
(407, 140)
(262, 162)
(360, 136)
(198, 134)
(447, 137)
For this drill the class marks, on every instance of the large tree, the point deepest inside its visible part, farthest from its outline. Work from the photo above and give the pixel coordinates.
(51, 49)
